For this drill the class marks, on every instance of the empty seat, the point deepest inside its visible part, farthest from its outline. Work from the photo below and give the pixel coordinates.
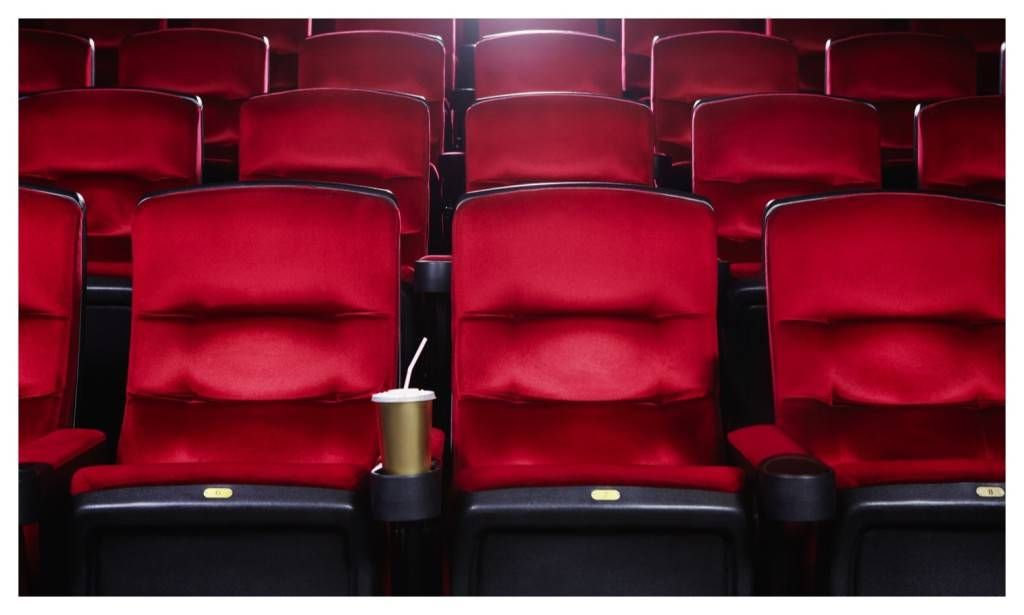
(285, 36)
(987, 36)
(810, 35)
(222, 68)
(546, 61)
(380, 60)
(896, 72)
(263, 318)
(638, 35)
(53, 61)
(749, 150)
(488, 27)
(887, 315)
(689, 67)
(369, 138)
(443, 28)
(51, 226)
(112, 146)
(961, 146)
(585, 422)
(528, 138)
(107, 35)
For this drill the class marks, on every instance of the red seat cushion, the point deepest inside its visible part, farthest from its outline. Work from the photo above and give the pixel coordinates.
(59, 447)
(328, 475)
(865, 473)
(714, 478)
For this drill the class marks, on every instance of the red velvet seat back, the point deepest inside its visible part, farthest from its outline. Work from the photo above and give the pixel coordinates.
(488, 27)
(810, 35)
(223, 68)
(887, 329)
(400, 62)
(112, 146)
(362, 137)
(577, 344)
(546, 61)
(638, 36)
(443, 28)
(749, 150)
(527, 138)
(285, 36)
(987, 36)
(53, 61)
(263, 318)
(896, 72)
(50, 238)
(688, 67)
(107, 35)
(961, 146)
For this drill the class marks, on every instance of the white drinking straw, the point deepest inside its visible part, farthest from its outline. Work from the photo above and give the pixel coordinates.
(415, 357)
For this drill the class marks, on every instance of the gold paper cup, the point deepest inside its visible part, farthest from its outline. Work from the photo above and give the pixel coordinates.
(404, 418)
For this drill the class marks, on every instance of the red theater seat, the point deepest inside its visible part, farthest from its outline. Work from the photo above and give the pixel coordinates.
(285, 36)
(638, 35)
(749, 150)
(527, 138)
(222, 68)
(689, 67)
(443, 28)
(987, 36)
(546, 61)
(888, 359)
(488, 27)
(112, 146)
(584, 412)
(263, 318)
(53, 61)
(896, 72)
(380, 60)
(810, 35)
(107, 35)
(961, 146)
(51, 227)
(362, 137)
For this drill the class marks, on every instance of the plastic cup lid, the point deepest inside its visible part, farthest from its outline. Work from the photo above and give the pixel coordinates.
(397, 396)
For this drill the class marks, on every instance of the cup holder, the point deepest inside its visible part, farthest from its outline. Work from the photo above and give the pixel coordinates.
(796, 488)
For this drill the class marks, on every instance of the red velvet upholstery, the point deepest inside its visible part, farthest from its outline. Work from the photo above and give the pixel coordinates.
(53, 61)
(810, 35)
(263, 318)
(896, 72)
(50, 237)
(689, 67)
(112, 146)
(749, 150)
(106, 35)
(886, 314)
(528, 138)
(444, 28)
(638, 36)
(961, 146)
(546, 61)
(285, 36)
(359, 137)
(488, 27)
(987, 36)
(60, 447)
(222, 68)
(583, 354)
(400, 62)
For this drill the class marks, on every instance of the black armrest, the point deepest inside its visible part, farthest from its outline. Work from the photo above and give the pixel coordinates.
(433, 274)
(796, 488)
(108, 291)
(31, 477)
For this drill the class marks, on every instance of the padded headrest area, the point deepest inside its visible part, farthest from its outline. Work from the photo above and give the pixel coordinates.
(53, 61)
(961, 145)
(555, 137)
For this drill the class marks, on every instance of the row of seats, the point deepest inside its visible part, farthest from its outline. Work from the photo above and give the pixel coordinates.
(746, 150)
(224, 69)
(265, 314)
(632, 36)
